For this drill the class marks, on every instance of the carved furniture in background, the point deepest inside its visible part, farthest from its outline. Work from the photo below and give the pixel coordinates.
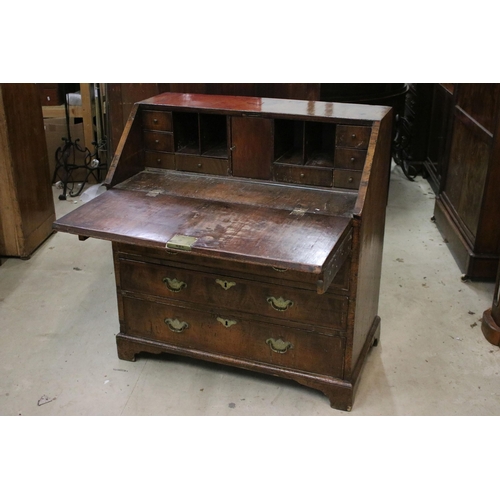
(468, 204)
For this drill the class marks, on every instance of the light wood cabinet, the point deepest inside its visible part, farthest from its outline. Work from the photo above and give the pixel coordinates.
(26, 202)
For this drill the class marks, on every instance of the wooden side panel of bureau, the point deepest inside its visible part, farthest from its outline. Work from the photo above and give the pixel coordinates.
(248, 232)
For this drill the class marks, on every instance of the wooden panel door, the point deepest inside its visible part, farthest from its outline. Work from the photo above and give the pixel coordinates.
(26, 201)
(252, 147)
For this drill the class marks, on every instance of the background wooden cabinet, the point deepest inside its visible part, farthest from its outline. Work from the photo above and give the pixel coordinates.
(26, 202)
(438, 129)
(468, 206)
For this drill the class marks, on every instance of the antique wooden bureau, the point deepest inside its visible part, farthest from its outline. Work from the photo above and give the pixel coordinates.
(248, 231)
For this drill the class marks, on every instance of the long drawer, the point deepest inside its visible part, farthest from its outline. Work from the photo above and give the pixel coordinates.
(266, 274)
(237, 294)
(230, 335)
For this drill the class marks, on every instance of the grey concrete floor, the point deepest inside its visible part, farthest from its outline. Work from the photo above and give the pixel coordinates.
(58, 321)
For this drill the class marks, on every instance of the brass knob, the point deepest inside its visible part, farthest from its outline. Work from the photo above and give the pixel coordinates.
(352, 159)
(353, 136)
(301, 176)
(350, 179)
(199, 165)
(157, 141)
(155, 120)
(158, 160)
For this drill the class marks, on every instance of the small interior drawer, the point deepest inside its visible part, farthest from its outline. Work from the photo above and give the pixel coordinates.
(349, 136)
(157, 120)
(348, 179)
(303, 175)
(159, 141)
(350, 158)
(153, 159)
(201, 164)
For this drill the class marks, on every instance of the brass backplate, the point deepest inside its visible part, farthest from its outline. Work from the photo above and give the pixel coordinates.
(181, 242)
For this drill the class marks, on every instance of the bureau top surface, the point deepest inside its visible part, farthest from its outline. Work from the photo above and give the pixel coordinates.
(243, 104)
(283, 226)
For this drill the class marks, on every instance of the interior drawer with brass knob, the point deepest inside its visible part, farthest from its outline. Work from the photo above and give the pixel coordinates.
(303, 175)
(350, 158)
(348, 179)
(157, 120)
(159, 141)
(202, 164)
(350, 136)
(153, 159)
(231, 335)
(237, 294)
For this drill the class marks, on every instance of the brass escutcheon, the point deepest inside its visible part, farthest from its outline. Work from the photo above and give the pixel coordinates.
(280, 304)
(174, 285)
(225, 284)
(176, 325)
(280, 346)
(226, 322)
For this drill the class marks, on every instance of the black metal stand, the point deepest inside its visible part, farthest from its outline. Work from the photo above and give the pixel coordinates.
(400, 154)
(67, 165)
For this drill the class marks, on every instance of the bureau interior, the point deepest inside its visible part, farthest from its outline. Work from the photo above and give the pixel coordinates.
(317, 151)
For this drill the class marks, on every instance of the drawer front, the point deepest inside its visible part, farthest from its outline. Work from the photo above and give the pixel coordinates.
(201, 164)
(159, 141)
(266, 274)
(237, 294)
(348, 179)
(303, 175)
(229, 335)
(157, 120)
(350, 158)
(349, 136)
(159, 160)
